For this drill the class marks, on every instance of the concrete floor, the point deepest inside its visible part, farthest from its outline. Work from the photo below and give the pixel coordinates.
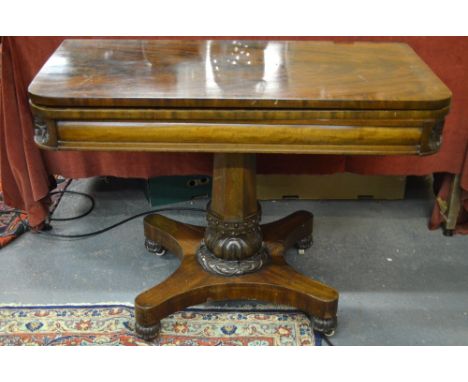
(399, 283)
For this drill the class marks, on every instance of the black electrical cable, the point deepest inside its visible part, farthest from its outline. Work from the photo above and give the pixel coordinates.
(327, 340)
(47, 228)
(323, 337)
(91, 199)
(82, 235)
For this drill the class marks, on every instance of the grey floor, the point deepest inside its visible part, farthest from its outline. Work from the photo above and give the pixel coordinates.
(399, 283)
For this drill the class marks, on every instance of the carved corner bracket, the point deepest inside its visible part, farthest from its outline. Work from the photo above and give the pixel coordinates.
(435, 138)
(41, 131)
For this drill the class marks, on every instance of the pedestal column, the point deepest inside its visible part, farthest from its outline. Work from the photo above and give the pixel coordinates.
(233, 242)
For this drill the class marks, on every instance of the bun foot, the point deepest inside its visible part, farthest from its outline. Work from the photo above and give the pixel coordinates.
(148, 333)
(304, 244)
(326, 326)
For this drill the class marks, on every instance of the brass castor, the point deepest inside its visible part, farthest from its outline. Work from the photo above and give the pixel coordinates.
(153, 247)
(147, 333)
(304, 244)
(325, 326)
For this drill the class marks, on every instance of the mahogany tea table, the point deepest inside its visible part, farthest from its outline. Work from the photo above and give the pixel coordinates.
(236, 99)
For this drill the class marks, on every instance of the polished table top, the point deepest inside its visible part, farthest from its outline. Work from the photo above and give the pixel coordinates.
(238, 96)
(246, 74)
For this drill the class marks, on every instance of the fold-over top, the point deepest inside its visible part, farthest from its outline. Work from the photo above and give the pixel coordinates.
(238, 74)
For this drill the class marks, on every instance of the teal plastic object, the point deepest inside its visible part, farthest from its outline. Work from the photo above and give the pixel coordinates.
(163, 190)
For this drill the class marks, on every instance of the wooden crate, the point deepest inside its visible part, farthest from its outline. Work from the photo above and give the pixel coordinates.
(335, 186)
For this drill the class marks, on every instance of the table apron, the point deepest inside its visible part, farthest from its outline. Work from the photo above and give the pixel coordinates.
(239, 137)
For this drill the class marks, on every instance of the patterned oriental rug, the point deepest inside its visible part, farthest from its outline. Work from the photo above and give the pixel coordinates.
(14, 222)
(81, 325)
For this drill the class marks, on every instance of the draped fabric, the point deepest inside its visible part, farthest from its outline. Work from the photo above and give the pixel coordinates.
(25, 170)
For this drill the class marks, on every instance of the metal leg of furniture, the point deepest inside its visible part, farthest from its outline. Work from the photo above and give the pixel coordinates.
(453, 207)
